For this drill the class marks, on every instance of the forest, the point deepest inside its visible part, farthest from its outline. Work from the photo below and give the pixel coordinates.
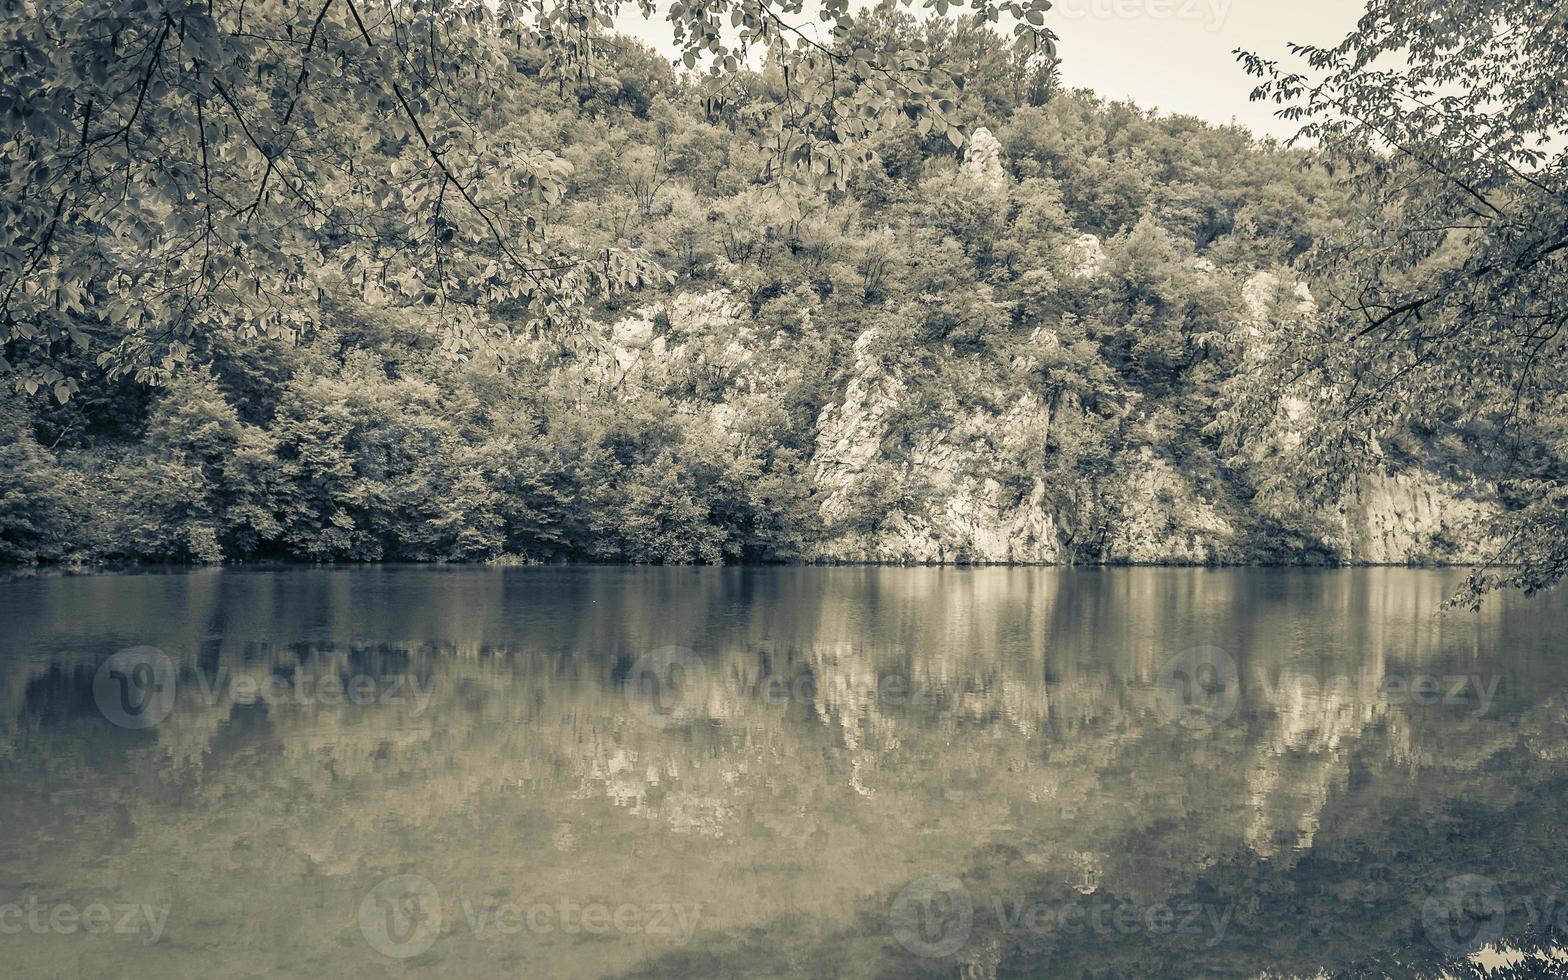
(1125, 273)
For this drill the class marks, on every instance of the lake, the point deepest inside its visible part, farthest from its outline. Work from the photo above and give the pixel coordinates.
(777, 772)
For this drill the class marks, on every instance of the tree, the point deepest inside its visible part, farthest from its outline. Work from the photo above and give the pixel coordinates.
(1447, 300)
(175, 168)
(38, 518)
(206, 493)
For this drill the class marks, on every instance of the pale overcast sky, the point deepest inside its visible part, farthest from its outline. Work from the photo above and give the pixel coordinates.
(1171, 55)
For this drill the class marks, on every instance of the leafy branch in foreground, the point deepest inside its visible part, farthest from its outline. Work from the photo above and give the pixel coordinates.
(179, 167)
(1447, 301)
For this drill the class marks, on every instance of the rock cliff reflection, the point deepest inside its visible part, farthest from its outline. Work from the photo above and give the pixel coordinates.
(784, 772)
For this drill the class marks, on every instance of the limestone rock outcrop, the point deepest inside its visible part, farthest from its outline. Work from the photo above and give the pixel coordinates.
(983, 160)
(891, 486)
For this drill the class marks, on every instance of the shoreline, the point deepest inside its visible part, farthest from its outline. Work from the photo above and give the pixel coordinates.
(8, 572)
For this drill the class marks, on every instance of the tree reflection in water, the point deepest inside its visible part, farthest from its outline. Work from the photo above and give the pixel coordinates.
(844, 733)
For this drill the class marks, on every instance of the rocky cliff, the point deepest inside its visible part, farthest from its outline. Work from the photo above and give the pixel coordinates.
(935, 498)
(919, 450)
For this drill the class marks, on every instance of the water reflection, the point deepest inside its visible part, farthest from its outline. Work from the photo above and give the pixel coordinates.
(787, 772)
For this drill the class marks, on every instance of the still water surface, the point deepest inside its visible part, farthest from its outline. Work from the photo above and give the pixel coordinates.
(795, 772)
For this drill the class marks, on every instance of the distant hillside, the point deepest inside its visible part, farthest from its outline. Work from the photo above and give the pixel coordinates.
(1014, 356)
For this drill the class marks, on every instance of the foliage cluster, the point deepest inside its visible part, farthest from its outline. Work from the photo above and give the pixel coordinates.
(372, 435)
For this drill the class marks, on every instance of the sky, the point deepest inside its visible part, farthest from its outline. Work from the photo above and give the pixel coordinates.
(1170, 55)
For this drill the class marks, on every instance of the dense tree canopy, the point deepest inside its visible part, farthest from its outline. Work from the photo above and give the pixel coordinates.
(1449, 296)
(369, 256)
(180, 167)
(363, 438)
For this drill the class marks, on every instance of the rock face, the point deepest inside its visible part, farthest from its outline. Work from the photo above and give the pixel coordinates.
(983, 160)
(1165, 521)
(849, 432)
(1413, 518)
(958, 490)
(699, 325)
(966, 516)
(1262, 290)
(954, 510)
(1388, 517)
(1089, 254)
